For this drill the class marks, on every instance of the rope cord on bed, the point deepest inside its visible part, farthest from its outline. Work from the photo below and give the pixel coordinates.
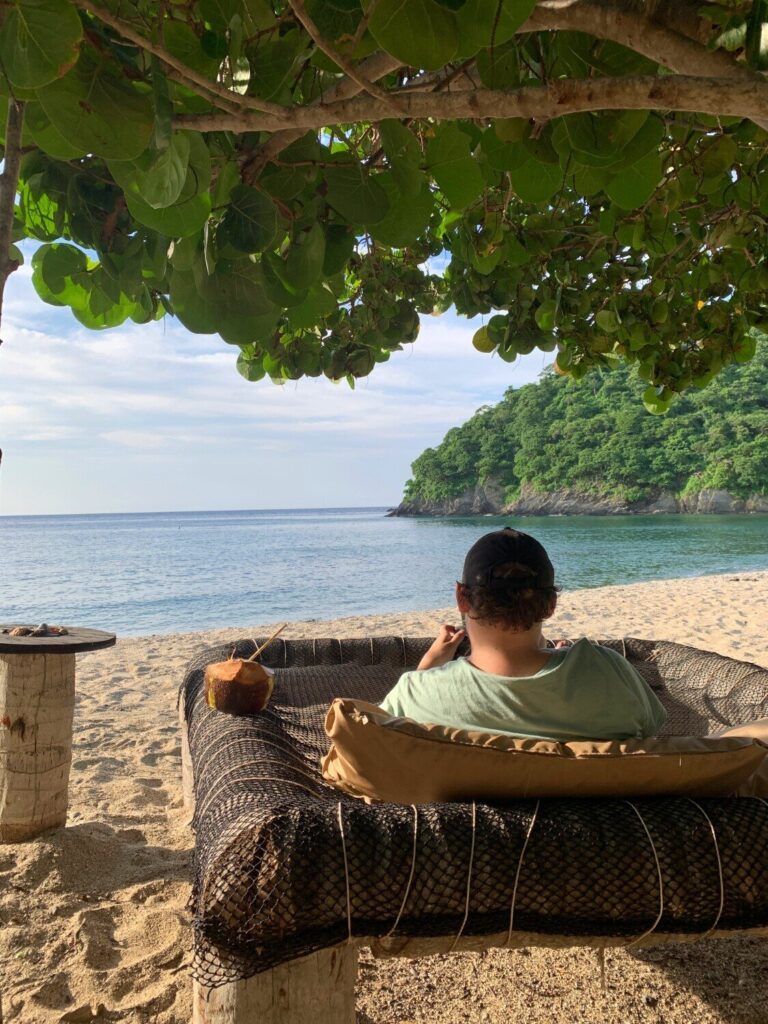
(286, 865)
(346, 872)
(519, 869)
(715, 923)
(469, 877)
(649, 931)
(410, 875)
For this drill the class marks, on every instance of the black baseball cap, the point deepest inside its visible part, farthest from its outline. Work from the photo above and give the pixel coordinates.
(500, 548)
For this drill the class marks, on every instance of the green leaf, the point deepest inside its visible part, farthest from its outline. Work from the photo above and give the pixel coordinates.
(272, 65)
(535, 182)
(48, 138)
(190, 305)
(156, 178)
(39, 41)
(163, 106)
(303, 264)
(503, 156)
(192, 209)
(489, 22)
(607, 321)
(250, 223)
(219, 13)
(745, 349)
(56, 263)
(499, 66)
(354, 194)
(276, 289)
(319, 303)
(339, 246)
(546, 314)
(404, 155)
(98, 111)
(335, 19)
(251, 368)
(636, 184)
(719, 156)
(596, 140)
(181, 42)
(420, 33)
(655, 401)
(450, 161)
(407, 218)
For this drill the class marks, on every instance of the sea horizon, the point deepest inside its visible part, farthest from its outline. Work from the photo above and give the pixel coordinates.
(198, 511)
(139, 573)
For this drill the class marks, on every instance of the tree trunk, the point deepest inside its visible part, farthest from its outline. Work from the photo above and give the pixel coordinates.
(318, 989)
(37, 701)
(9, 181)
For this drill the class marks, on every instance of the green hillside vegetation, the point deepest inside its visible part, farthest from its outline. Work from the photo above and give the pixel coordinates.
(594, 436)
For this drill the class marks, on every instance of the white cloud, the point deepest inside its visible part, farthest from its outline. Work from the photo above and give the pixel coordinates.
(156, 396)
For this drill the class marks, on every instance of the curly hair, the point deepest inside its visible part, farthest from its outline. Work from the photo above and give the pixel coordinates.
(506, 603)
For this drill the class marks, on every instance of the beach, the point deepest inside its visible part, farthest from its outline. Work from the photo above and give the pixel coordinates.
(93, 922)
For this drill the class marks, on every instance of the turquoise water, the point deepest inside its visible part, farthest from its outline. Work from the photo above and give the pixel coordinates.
(177, 572)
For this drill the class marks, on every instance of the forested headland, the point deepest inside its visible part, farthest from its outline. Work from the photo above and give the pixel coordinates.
(561, 446)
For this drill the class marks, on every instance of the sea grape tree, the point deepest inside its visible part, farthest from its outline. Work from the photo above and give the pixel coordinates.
(306, 178)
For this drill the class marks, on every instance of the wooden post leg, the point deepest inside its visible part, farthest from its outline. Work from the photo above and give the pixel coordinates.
(37, 702)
(187, 773)
(318, 989)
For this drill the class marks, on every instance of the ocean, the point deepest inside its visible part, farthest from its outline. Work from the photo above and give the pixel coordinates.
(187, 571)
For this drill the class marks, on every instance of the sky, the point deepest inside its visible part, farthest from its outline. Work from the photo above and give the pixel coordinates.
(153, 418)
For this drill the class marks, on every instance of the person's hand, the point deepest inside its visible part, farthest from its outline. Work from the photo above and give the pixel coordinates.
(444, 647)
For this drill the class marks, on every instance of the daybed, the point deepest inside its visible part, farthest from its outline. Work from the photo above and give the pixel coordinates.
(292, 876)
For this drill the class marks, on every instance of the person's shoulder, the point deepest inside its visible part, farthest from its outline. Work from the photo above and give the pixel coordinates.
(451, 669)
(588, 647)
(588, 650)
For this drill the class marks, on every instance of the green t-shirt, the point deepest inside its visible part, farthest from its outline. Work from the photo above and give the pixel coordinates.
(583, 692)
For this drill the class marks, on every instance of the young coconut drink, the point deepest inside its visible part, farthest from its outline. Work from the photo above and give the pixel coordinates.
(240, 686)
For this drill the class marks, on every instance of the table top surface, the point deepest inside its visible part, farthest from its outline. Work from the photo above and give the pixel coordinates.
(75, 640)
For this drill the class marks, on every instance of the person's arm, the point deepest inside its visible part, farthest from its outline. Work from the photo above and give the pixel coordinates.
(444, 647)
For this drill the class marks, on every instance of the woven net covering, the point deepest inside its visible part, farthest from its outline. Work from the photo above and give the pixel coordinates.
(286, 865)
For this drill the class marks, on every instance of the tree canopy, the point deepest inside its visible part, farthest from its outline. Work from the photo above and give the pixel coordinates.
(595, 438)
(307, 177)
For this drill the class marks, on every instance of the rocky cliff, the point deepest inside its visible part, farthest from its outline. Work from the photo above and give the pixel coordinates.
(488, 499)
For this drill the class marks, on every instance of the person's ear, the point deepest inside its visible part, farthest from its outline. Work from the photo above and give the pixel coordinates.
(552, 607)
(462, 599)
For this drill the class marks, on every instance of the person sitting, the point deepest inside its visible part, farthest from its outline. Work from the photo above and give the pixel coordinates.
(511, 682)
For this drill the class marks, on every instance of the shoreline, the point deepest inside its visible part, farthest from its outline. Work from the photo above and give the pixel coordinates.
(94, 921)
(417, 622)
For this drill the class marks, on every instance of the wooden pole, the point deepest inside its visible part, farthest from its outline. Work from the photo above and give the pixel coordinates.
(317, 989)
(187, 771)
(37, 702)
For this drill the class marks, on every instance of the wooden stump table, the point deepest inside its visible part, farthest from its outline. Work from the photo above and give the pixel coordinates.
(37, 703)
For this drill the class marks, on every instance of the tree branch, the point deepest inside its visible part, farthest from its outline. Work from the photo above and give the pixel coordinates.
(9, 181)
(346, 66)
(378, 66)
(213, 90)
(620, 23)
(716, 96)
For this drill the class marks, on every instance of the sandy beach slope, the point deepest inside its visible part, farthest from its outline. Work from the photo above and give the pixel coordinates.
(92, 917)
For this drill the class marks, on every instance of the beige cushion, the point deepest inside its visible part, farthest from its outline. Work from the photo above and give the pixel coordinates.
(379, 757)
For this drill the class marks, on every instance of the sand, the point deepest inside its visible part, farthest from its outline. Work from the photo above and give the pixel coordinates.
(92, 917)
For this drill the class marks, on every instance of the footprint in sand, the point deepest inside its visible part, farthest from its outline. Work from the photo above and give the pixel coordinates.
(103, 764)
(94, 936)
(152, 760)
